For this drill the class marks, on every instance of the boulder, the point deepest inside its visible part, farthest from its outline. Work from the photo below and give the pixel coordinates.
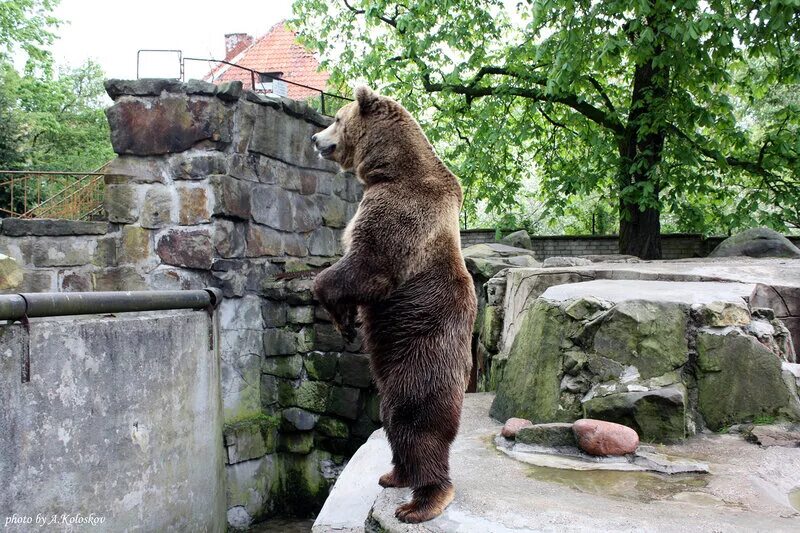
(740, 380)
(649, 335)
(756, 242)
(530, 387)
(296, 419)
(597, 437)
(518, 239)
(774, 435)
(554, 434)
(485, 260)
(513, 425)
(657, 415)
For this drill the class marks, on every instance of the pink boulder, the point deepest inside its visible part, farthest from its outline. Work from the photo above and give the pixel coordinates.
(597, 437)
(513, 425)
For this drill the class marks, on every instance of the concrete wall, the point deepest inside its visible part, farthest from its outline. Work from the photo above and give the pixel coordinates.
(120, 421)
(674, 246)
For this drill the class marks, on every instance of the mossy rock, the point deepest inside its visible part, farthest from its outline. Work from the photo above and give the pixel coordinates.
(301, 443)
(313, 396)
(332, 427)
(302, 488)
(554, 434)
(648, 335)
(283, 367)
(530, 387)
(492, 327)
(321, 366)
(657, 416)
(740, 380)
(250, 437)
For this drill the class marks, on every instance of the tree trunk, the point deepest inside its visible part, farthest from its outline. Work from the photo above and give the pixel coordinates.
(639, 231)
(640, 154)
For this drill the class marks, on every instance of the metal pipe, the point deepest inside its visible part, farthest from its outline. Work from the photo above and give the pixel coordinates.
(32, 305)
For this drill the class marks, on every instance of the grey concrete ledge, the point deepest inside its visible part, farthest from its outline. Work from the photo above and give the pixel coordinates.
(495, 493)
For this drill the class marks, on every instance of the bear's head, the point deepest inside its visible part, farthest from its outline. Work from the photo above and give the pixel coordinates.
(340, 142)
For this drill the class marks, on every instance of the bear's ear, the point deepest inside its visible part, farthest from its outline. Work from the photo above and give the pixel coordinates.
(366, 98)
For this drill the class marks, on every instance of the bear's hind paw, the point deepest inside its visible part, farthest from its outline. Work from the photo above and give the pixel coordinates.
(427, 504)
(391, 479)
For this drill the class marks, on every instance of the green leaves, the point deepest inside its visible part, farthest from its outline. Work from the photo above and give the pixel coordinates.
(533, 103)
(60, 123)
(27, 25)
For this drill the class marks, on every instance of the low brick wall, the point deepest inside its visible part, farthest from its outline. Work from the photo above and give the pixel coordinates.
(673, 246)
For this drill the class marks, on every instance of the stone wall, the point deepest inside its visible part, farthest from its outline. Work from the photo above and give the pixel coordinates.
(674, 246)
(221, 187)
(120, 422)
(218, 187)
(67, 256)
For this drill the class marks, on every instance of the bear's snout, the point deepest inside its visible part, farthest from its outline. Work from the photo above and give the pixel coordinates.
(314, 138)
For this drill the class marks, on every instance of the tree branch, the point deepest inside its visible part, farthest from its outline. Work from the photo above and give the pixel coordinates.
(570, 100)
(471, 91)
(603, 95)
(753, 167)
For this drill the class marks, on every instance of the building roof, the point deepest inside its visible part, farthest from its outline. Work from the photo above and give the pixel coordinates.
(277, 51)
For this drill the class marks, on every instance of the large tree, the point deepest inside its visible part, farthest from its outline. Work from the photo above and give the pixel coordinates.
(655, 103)
(26, 26)
(60, 120)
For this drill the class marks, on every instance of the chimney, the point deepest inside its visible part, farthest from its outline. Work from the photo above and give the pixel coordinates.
(235, 43)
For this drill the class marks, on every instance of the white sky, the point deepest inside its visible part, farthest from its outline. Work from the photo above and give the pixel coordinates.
(110, 32)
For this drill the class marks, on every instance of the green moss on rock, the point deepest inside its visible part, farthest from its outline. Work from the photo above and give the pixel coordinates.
(739, 380)
(648, 335)
(657, 416)
(284, 367)
(321, 366)
(301, 443)
(531, 385)
(332, 427)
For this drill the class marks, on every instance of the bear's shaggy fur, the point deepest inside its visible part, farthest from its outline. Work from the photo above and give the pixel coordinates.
(404, 274)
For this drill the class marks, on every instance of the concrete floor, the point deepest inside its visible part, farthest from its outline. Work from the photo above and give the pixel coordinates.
(747, 490)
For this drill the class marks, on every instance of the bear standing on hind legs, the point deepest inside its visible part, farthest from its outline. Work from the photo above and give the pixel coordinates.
(403, 274)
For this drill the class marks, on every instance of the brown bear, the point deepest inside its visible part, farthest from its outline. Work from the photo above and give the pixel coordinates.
(403, 275)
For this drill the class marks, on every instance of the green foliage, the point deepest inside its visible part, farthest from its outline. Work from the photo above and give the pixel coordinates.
(764, 420)
(26, 25)
(684, 107)
(61, 124)
(9, 149)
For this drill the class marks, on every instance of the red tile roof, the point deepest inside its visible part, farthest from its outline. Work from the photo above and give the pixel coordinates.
(277, 51)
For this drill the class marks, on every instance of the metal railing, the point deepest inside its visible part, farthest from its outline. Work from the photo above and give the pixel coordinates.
(322, 101)
(48, 194)
(43, 304)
